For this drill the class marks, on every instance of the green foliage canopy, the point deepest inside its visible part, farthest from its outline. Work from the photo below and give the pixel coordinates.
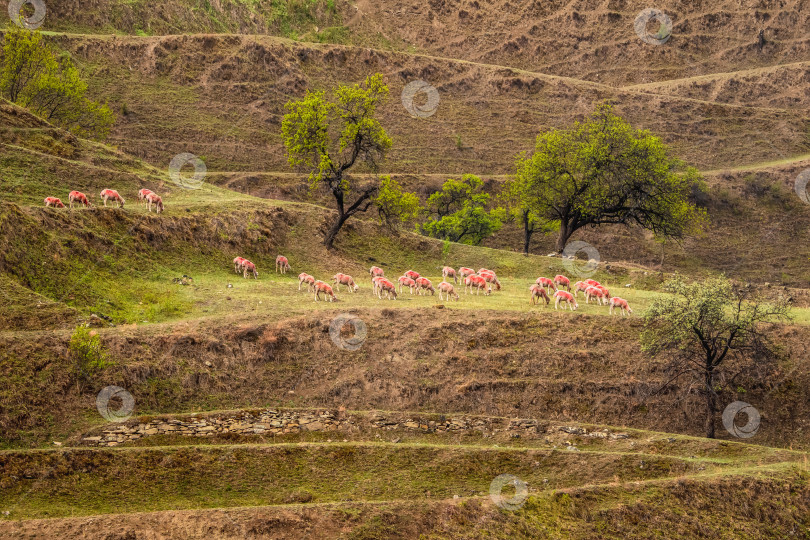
(603, 171)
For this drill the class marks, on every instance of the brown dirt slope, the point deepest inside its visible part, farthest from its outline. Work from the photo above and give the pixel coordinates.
(540, 365)
(782, 86)
(218, 105)
(584, 39)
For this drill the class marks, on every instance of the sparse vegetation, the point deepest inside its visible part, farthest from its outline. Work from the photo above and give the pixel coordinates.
(88, 354)
(707, 326)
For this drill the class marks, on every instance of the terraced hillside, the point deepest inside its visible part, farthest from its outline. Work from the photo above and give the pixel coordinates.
(254, 413)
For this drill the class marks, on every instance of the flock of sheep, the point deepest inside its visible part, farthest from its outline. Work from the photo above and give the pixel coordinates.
(482, 280)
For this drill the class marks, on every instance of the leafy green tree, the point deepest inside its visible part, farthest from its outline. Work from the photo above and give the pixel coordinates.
(520, 206)
(333, 136)
(395, 206)
(706, 325)
(459, 212)
(34, 77)
(602, 171)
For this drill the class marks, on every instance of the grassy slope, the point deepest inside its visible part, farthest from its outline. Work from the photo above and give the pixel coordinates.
(649, 471)
(228, 475)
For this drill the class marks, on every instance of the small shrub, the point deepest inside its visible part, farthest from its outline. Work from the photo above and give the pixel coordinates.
(88, 354)
(395, 206)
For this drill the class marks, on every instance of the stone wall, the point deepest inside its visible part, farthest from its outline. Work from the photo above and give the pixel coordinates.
(279, 422)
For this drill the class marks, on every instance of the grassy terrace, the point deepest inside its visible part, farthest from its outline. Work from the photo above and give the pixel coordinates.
(74, 482)
(148, 295)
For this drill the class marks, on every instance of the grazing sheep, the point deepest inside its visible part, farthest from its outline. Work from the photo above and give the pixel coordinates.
(424, 284)
(142, 195)
(154, 199)
(405, 281)
(249, 268)
(490, 277)
(565, 297)
(326, 289)
(562, 282)
(376, 271)
(344, 279)
(463, 272)
(303, 277)
(385, 286)
(620, 303)
(79, 198)
(477, 282)
(112, 195)
(547, 283)
(282, 264)
(53, 201)
(448, 289)
(538, 292)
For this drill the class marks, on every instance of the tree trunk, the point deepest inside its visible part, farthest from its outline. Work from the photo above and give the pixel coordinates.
(345, 213)
(565, 233)
(527, 234)
(333, 230)
(711, 404)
